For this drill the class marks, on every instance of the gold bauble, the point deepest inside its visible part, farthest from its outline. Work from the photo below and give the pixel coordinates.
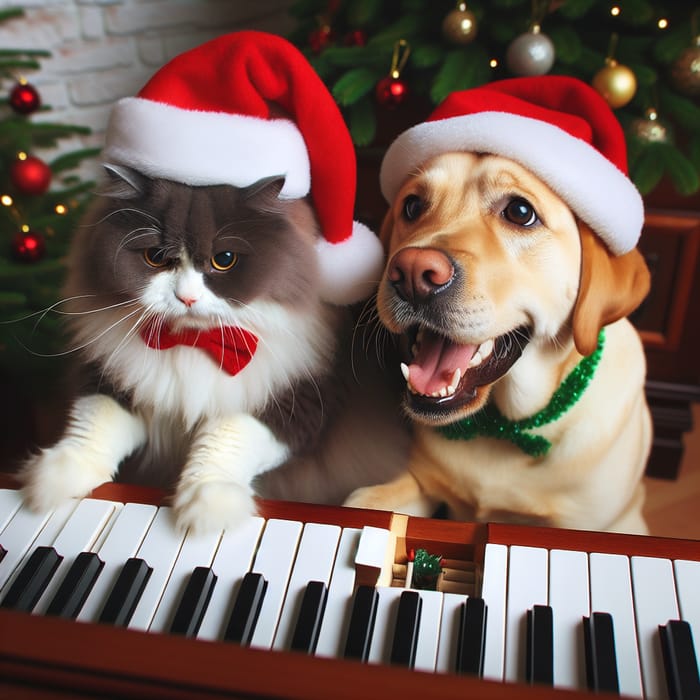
(649, 129)
(459, 26)
(616, 83)
(685, 71)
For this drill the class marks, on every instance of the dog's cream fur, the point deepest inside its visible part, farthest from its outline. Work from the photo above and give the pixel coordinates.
(557, 279)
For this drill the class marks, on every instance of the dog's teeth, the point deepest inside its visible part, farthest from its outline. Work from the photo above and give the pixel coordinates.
(476, 360)
(486, 348)
(404, 370)
(454, 382)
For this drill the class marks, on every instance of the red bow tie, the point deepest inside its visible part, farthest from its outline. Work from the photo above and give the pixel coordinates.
(232, 348)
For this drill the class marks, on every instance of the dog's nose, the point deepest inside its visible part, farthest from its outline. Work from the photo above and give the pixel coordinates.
(417, 273)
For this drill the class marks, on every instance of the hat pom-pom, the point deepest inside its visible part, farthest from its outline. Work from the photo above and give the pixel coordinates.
(350, 270)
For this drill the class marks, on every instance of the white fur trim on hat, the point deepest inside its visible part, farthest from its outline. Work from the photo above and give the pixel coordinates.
(595, 189)
(206, 148)
(350, 270)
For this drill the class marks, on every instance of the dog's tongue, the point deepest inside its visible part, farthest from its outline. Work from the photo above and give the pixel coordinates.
(435, 362)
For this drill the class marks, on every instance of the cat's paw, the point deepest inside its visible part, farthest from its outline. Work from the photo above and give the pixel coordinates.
(55, 475)
(373, 497)
(212, 505)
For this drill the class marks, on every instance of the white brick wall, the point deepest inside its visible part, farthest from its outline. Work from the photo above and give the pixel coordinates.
(102, 50)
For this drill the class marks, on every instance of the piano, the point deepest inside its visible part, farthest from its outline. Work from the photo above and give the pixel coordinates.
(104, 598)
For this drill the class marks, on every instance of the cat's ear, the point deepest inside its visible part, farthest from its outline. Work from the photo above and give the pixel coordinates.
(267, 186)
(123, 182)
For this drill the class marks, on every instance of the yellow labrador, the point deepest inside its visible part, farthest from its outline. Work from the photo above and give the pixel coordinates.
(501, 293)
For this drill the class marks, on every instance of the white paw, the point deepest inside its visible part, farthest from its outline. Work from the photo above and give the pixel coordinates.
(58, 474)
(212, 505)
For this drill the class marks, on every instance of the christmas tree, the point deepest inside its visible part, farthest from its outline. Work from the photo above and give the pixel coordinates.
(643, 57)
(40, 204)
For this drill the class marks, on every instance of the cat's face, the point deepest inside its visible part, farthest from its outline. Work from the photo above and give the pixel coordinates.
(195, 256)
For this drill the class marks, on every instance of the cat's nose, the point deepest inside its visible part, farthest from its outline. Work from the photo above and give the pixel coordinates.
(188, 301)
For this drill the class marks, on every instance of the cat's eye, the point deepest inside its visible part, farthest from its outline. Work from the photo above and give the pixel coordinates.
(412, 207)
(520, 212)
(224, 261)
(155, 257)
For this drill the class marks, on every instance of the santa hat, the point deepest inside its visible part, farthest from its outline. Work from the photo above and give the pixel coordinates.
(243, 107)
(557, 127)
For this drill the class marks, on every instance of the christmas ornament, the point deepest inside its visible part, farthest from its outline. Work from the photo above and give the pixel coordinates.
(24, 98)
(357, 37)
(615, 82)
(320, 38)
(392, 90)
(649, 129)
(685, 71)
(28, 246)
(531, 53)
(459, 26)
(30, 175)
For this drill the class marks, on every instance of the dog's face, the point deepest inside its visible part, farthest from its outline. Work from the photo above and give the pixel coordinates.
(482, 259)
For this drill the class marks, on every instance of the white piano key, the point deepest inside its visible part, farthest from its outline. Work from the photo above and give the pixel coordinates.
(78, 535)
(654, 604)
(570, 601)
(122, 542)
(274, 561)
(334, 626)
(429, 631)
(449, 632)
(687, 575)
(314, 562)
(384, 623)
(10, 503)
(611, 592)
(232, 561)
(197, 550)
(493, 591)
(159, 550)
(375, 556)
(45, 538)
(527, 586)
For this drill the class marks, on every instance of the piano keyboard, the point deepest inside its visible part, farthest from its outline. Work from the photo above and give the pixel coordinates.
(504, 611)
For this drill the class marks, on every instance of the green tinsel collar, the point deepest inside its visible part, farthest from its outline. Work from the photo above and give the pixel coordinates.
(490, 422)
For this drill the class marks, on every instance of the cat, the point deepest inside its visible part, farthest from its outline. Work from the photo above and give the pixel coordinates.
(158, 265)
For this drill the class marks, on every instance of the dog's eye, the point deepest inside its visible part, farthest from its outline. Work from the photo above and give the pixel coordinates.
(520, 212)
(412, 207)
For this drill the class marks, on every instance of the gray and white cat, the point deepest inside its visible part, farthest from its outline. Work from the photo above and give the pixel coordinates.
(160, 266)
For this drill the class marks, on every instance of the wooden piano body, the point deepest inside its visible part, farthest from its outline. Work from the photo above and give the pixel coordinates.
(51, 657)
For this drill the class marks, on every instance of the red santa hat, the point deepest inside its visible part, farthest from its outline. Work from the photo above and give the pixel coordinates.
(211, 117)
(557, 127)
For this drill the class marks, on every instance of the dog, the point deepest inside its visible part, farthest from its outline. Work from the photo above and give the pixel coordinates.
(499, 292)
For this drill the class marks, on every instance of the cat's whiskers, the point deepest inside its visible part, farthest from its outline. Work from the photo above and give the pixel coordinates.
(125, 210)
(135, 327)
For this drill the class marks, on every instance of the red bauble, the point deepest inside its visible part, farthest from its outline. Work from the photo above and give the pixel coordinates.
(24, 98)
(357, 37)
(31, 175)
(28, 246)
(320, 38)
(391, 92)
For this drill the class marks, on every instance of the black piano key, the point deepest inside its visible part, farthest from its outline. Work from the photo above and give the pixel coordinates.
(472, 637)
(601, 660)
(246, 609)
(76, 586)
(308, 624)
(32, 579)
(193, 604)
(540, 645)
(361, 625)
(403, 648)
(126, 593)
(3, 552)
(680, 660)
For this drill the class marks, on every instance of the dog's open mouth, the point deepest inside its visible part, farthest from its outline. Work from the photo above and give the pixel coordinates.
(443, 375)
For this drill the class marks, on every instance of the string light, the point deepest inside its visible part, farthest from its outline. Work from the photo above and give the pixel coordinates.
(615, 10)
(662, 23)
(493, 63)
(61, 209)
(22, 156)
(6, 200)
(25, 228)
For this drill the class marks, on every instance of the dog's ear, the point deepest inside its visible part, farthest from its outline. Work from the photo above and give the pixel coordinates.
(611, 287)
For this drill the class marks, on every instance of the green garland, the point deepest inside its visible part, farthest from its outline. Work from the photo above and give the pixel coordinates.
(490, 422)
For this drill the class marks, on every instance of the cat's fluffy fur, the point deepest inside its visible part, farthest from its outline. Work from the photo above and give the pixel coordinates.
(175, 414)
